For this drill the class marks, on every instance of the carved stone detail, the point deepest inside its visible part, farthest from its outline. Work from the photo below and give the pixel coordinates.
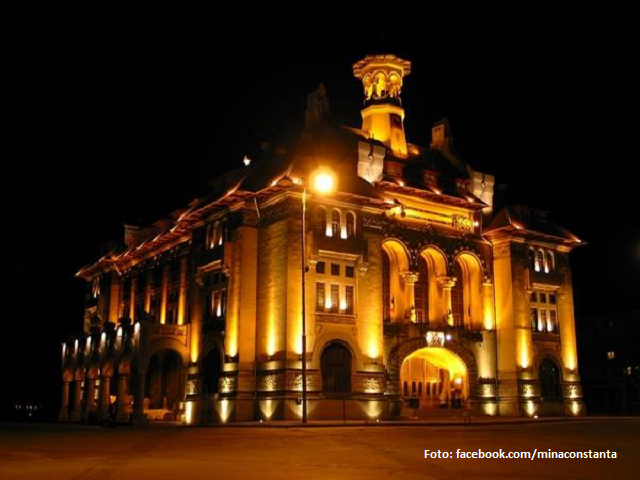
(194, 386)
(572, 390)
(446, 282)
(228, 384)
(410, 277)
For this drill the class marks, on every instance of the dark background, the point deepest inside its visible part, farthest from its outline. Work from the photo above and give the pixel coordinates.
(114, 121)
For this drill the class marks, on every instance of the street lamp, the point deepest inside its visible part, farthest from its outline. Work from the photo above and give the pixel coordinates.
(323, 182)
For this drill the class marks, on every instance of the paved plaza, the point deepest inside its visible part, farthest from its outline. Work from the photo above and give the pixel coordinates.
(319, 452)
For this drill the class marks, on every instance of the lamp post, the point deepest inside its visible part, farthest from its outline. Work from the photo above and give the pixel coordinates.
(304, 307)
(323, 183)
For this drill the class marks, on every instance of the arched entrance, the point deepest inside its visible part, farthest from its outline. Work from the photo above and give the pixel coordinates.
(163, 383)
(434, 378)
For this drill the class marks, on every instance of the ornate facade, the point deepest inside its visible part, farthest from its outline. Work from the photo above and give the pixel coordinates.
(417, 293)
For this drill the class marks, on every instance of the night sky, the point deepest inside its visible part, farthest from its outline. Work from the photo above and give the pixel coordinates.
(113, 123)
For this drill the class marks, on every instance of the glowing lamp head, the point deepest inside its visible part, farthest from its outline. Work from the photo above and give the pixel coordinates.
(323, 182)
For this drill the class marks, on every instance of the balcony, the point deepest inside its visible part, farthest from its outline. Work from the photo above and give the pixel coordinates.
(214, 325)
(354, 246)
(547, 279)
(412, 330)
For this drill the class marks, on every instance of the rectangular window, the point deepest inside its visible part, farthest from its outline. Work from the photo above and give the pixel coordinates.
(534, 319)
(533, 297)
(542, 324)
(543, 298)
(611, 355)
(335, 297)
(348, 291)
(223, 302)
(319, 296)
(405, 390)
(335, 269)
(413, 389)
(552, 325)
(552, 298)
(349, 271)
(320, 267)
(419, 389)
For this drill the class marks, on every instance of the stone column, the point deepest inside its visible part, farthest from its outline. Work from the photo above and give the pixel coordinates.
(132, 298)
(410, 279)
(104, 396)
(165, 294)
(76, 413)
(447, 283)
(90, 396)
(182, 299)
(64, 403)
(123, 399)
(488, 321)
(139, 417)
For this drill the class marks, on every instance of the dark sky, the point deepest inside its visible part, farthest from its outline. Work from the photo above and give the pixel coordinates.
(115, 122)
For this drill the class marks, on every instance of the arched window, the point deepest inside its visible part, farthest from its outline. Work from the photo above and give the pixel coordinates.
(539, 261)
(551, 265)
(457, 296)
(532, 259)
(386, 287)
(321, 219)
(336, 369)
(211, 372)
(421, 292)
(351, 225)
(550, 382)
(335, 223)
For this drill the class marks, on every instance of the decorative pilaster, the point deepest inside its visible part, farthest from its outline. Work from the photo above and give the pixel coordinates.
(410, 279)
(122, 399)
(64, 403)
(447, 283)
(104, 395)
(139, 417)
(76, 413)
(182, 299)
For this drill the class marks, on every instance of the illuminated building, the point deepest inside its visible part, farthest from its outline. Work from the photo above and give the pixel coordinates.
(417, 293)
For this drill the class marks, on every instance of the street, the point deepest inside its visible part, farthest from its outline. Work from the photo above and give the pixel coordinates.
(70, 452)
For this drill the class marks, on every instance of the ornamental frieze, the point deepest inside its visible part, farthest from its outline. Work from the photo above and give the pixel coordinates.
(369, 384)
(194, 386)
(228, 384)
(528, 389)
(294, 382)
(572, 390)
(271, 382)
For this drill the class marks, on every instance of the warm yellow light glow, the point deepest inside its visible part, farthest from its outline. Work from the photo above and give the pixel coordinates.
(373, 410)
(327, 303)
(343, 305)
(490, 409)
(401, 183)
(328, 231)
(224, 410)
(574, 407)
(188, 413)
(530, 408)
(268, 407)
(246, 161)
(476, 223)
(343, 232)
(442, 358)
(195, 348)
(271, 343)
(458, 381)
(323, 182)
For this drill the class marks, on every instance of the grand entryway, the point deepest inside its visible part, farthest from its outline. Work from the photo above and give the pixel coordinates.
(434, 378)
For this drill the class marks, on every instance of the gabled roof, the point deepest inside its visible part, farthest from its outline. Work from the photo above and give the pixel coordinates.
(520, 220)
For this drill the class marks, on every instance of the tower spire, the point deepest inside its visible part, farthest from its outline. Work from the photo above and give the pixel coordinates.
(383, 115)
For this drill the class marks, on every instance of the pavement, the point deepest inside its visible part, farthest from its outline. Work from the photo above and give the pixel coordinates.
(57, 451)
